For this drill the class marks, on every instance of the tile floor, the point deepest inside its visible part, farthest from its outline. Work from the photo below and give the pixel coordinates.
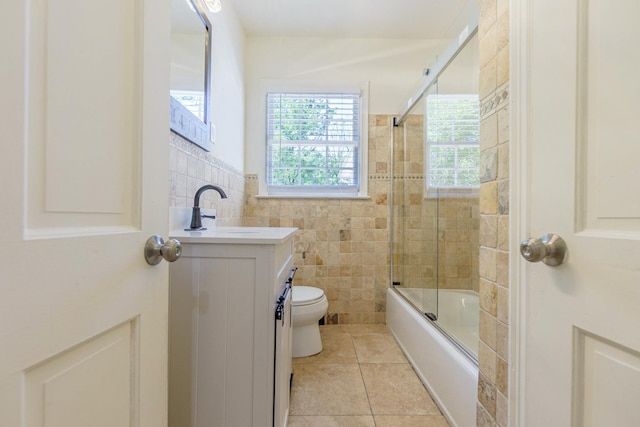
(360, 379)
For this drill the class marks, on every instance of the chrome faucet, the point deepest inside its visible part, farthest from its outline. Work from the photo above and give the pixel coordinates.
(196, 216)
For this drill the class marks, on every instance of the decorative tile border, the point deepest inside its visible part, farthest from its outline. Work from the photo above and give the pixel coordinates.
(494, 102)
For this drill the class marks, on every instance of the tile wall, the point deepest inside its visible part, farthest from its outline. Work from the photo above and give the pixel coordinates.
(493, 351)
(190, 167)
(427, 231)
(342, 245)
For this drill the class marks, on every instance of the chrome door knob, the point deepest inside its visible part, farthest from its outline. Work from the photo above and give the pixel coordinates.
(551, 249)
(156, 249)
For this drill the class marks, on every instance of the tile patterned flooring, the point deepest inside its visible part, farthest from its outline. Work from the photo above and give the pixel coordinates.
(360, 379)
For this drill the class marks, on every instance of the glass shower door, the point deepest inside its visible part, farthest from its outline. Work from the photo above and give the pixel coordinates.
(436, 213)
(415, 218)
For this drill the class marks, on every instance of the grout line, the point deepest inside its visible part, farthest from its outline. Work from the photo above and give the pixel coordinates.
(366, 391)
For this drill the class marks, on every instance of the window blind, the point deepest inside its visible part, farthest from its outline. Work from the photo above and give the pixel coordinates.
(313, 142)
(453, 141)
(192, 100)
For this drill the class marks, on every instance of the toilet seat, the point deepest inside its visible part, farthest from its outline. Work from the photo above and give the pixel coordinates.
(306, 295)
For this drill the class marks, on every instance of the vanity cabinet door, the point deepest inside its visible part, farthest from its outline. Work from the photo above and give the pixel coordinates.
(222, 333)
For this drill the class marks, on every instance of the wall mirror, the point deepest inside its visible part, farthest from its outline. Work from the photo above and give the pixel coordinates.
(190, 72)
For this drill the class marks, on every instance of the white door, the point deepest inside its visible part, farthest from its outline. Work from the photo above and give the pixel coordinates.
(577, 130)
(83, 184)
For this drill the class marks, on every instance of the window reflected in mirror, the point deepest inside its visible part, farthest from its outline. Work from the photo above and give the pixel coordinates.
(189, 90)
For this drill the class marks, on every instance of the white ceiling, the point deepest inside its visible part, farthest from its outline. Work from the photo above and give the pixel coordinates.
(425, 19)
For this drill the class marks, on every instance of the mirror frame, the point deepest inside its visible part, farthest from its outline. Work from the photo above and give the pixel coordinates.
(182, 121)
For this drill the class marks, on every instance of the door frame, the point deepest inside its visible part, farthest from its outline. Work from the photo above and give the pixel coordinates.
(519, 146)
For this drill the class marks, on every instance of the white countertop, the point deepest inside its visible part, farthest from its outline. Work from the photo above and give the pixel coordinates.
(235, 235)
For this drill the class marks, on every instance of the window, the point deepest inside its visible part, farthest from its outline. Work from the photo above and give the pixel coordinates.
(453, 142)
(192, 100)
(314, 143)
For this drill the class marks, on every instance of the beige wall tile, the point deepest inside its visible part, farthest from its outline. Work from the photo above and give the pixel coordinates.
(502, 66)
(503, 305)
(502, 31)
(488, 46)
(488, 329)
(487, 362)
(487, 399)
(503, 161)
(489, 231)
(502, 376)
(489, 198)
(487, 17)
(502, 269)
(483, 419)
(489, 132)
(503, 232)
(502, 340)
(489, 81)
(191, 167)
(502, 410)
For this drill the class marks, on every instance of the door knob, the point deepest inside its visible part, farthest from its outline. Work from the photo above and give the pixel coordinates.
(551, 249)
(156, 249)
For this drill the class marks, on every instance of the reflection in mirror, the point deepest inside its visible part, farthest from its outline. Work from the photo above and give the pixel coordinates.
(190, 79)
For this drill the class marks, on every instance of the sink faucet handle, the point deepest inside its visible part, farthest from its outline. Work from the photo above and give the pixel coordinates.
(208, 216)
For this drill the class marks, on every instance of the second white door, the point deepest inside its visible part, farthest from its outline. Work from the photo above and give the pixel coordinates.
(578, 176)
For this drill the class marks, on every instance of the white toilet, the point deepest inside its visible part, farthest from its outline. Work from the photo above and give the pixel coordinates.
(308, 306)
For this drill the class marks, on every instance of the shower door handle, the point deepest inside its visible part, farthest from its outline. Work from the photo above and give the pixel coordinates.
(551, 249)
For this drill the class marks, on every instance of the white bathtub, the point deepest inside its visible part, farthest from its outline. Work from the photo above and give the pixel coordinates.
(448, 373)
(458, 312)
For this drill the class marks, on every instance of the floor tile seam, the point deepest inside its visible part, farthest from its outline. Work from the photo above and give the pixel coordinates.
(406, 414)
(366, 390)
(324, 363)
(410, 413)
(386, 363)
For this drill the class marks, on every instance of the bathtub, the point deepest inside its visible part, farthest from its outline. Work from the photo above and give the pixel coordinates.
(447, 371)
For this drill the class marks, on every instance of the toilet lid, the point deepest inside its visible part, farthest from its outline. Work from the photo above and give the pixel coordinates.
(303, 295)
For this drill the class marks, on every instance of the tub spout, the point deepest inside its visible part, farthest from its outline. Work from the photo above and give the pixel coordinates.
(196, 216)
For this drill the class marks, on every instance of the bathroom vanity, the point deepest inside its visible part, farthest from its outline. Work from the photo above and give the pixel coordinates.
(230, 327)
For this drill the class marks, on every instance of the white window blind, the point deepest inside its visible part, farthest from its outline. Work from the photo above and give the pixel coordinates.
(192, 100)
(453, 142)
(313, 142)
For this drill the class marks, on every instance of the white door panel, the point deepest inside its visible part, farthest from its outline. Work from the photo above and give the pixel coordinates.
(577, 135)
(83, 173)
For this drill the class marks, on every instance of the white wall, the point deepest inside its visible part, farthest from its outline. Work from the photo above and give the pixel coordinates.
(227, 86)
(392, 66)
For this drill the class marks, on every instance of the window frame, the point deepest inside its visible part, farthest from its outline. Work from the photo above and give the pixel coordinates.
(319, 87)
(448, 190)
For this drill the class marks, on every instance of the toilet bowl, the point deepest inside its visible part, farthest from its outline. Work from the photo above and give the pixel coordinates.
(308, 306)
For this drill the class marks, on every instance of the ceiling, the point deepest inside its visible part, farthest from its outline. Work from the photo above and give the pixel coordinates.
(423, 19)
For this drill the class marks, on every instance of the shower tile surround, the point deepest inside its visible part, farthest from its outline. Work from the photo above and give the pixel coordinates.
(493, 357)
(443, 230)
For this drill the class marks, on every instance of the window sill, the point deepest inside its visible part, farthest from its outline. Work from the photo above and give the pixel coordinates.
(452, 193)
(312, 196)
